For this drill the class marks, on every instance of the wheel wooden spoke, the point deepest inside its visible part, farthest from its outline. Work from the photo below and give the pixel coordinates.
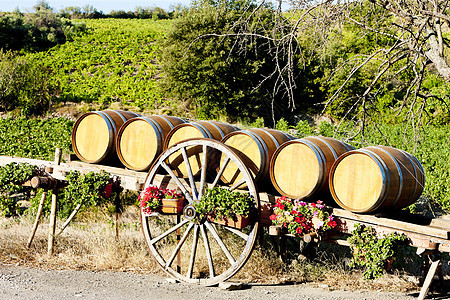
(189, 171)
(193, 252)
(237, 184)
(158, 238)
(216, 239)
(220, 242)
(237, 232)
(177, 181)
(208, 251)
(179, 245)
(222, 169)
(203, 172)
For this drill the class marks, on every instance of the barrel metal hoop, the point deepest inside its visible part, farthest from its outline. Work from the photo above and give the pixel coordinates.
(385, 175)
(167, 120)
(400, 174)
(112, 134)
(262, 147)
(416, 182)
(270, 135)
(328, 145)
(222, 135)
(322, 166)
(117, 113)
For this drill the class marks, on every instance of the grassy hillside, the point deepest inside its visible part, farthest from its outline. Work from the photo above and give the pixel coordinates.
(115, 60)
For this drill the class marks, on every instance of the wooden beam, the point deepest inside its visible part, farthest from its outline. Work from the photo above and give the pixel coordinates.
(395, 224)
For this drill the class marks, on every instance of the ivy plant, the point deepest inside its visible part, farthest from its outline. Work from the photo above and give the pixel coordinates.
(371, 252)
(12, 176)
(87, 189)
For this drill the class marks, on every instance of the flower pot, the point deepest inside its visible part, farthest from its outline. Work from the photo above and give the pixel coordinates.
(239, 223)
(171, 206)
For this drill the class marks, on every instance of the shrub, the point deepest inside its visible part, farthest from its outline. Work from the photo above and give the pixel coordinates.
(24, 84)
(208, 62)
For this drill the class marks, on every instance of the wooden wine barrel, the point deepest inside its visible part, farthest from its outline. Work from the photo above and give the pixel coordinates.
(94, 135)
(300, 168)
(199, 129)
(255, 146)
(374, 179)
(141, 140)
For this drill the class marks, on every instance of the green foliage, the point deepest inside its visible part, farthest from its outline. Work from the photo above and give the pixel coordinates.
(304, 129)
(258, 123)
(12, 176)
(35, 138)
(371, 252)
(84, 189)
(326, 129)
(15, 174)
(282, 125)
(35, 31)
(208, 64)
(24, 85)
(219, 202)
(115, 60)
(8, 206)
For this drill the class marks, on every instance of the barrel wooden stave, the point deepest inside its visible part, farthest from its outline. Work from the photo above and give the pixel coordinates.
(141, 140)
(256, 147)
(300, 167)
(374, 179)
(94, 135)
(200, 129)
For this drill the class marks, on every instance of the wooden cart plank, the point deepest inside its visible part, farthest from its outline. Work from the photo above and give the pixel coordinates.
(395, 224)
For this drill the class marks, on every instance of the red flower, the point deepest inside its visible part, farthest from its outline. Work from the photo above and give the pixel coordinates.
(298, 220)
(332, 224)
(293, 212)
(299, 230)
(273, 217)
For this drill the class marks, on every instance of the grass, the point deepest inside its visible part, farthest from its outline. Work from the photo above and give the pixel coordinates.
(90, 244)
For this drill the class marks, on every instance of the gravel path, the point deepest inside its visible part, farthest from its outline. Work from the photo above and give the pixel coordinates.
(17, 282)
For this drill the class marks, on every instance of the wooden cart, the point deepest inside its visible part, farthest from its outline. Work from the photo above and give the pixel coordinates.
(207, 252)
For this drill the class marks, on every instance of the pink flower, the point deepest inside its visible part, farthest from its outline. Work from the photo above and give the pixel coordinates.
(273, 217)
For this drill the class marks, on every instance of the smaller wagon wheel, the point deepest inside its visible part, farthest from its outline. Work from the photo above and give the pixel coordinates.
(191, 250)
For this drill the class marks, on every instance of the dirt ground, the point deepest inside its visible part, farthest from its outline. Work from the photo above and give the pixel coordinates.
(18, 282)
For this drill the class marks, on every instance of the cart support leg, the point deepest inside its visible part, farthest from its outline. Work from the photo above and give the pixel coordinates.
(38, 217)
(52, 225)
(431, 271)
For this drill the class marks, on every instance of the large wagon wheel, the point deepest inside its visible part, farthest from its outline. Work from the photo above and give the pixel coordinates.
(199, 252)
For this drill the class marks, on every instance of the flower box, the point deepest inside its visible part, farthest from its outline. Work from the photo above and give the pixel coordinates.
(239, 223)
(171, 206)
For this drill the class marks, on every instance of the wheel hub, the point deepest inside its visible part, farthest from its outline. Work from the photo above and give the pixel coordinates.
(189, 212)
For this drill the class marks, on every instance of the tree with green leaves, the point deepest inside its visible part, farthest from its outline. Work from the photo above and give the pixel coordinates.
(209, 62)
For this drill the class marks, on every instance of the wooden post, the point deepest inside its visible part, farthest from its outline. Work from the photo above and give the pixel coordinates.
(52, 225)
(58, 154)
(38, 216)
(118, 209)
